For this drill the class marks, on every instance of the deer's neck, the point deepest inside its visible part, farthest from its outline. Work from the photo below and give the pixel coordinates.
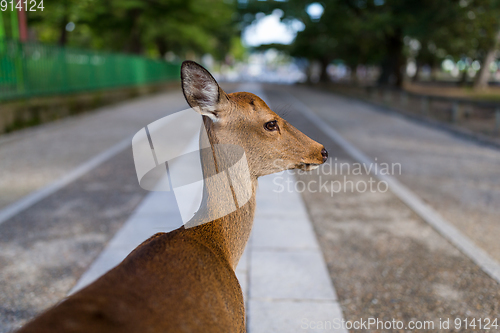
(228, 235)
(224, 221)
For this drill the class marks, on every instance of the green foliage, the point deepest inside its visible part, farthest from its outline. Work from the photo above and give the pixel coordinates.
(387, 32)
(151, 27)
(237, 50)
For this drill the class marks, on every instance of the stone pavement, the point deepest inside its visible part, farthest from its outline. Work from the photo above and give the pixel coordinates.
(385, 262)
(282, 272)
(36, 157)
(288, 289)
(459, 178)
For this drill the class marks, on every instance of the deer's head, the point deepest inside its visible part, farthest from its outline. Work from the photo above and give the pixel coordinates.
(271, 144)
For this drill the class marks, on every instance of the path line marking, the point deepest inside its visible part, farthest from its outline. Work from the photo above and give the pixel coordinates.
(425, 211)
(42, 193)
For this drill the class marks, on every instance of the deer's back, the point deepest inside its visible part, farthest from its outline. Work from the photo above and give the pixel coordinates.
(170, 283)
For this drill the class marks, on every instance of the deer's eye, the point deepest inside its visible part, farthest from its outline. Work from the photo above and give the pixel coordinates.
(271, 125)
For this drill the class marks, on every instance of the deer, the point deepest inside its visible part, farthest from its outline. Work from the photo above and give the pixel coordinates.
(184, 280)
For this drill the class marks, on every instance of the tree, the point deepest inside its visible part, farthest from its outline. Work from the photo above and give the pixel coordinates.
(374, 32)
(151, 27)
(481, 81)
(323, 41)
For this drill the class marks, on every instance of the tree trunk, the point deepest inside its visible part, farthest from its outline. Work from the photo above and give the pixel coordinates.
(391, 66)
(309, 71)
(354, 75)
(63, 36)
(481, 81)
(312, 71)
(135, 42)
(463, 80)
(418, 66)
(482, 78)
(324, 77)
(161, 46)
(434, 72)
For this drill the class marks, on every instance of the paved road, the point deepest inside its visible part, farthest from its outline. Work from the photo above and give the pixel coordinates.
(459, 178)
(45, 249)
(384, 261)
(34, 158)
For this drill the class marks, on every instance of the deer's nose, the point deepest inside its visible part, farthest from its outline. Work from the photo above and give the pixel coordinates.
(324, 153)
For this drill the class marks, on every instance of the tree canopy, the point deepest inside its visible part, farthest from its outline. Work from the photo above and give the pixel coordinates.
(385, 33)
(388, 32)
(152, 27)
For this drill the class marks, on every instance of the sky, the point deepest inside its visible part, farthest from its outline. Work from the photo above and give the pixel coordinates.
(269, 29)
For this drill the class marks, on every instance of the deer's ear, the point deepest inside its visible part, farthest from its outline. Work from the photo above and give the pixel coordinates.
(201, 90)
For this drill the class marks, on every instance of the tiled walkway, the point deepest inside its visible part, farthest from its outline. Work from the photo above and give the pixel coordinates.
(282, 273)
(288, 287)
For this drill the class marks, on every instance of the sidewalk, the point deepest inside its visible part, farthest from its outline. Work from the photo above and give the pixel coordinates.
(289, 288)
(457, 177)
(36, 157)
(387, 262)
(384, 260)
(282, 272)
(65, 189)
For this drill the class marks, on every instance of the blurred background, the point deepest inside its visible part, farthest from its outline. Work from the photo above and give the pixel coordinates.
(425, 48)
(413, 82)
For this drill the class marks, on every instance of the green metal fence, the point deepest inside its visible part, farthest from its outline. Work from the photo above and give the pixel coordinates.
(32, 69)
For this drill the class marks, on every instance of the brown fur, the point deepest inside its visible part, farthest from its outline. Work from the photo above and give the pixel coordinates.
(184, 281)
